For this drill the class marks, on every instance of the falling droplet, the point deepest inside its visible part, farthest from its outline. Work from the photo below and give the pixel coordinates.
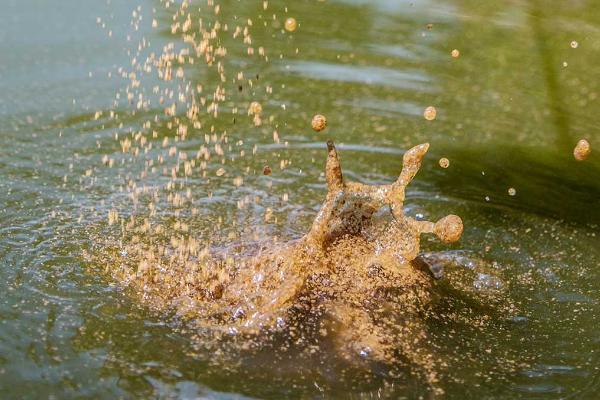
(430, 113)
(291, 24)
(255, 108)
(582, 150)
(319, 122)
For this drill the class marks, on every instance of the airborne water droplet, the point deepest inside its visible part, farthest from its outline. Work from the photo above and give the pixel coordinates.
(291, 24)
(319, 122)
(430, 113)
(582, 150)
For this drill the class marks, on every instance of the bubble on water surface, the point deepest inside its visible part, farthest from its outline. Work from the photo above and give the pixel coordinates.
(444, 162)
(512, 191)
(574, 44)
(487, 282)
(455, 53)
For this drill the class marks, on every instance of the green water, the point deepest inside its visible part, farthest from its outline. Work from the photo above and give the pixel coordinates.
(510, 110)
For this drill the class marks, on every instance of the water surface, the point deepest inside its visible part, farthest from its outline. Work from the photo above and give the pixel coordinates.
(510, 110)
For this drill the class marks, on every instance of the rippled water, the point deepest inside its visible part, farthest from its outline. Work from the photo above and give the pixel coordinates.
(510, 110)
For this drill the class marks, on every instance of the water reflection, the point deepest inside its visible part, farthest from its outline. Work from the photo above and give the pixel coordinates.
(371, 76)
